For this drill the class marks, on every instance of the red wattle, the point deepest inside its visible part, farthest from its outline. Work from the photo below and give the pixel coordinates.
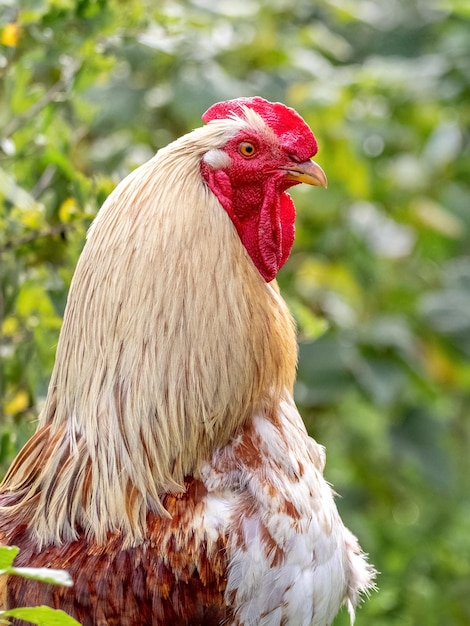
(288, 226)
(264, 219)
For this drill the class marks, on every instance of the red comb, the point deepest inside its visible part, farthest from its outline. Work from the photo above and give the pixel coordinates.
(291, 129)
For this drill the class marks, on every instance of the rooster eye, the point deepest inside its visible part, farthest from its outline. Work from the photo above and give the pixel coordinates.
(247, 149)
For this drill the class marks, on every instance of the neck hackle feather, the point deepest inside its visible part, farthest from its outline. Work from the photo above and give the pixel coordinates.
(152, 373)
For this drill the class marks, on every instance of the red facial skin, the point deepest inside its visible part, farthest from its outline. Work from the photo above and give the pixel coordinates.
(252, 188)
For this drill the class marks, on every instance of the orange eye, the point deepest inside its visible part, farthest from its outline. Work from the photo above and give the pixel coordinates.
(247, 149)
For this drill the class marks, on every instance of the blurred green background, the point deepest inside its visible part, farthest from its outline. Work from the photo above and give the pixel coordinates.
(379, 279)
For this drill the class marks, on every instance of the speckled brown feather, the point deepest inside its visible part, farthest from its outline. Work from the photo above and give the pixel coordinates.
(256, 537)
(154, 583)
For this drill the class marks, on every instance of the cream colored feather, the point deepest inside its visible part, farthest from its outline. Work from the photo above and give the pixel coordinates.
(171, 340)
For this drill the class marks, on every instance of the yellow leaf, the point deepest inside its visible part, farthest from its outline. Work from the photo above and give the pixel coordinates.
(68, 210)
(18, 403)
(439, 364)
(33, 217)
(9, 326)
(10, 35)
(317, 274)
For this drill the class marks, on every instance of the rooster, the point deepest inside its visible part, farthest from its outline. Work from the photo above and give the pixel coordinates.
(171, 473)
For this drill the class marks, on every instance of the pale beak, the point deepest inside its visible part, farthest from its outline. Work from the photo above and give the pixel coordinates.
(308, 172)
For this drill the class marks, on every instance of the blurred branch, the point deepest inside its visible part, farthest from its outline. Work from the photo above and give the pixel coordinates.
(58, 229)
(51, 95)
(43, 182)
(33, 110)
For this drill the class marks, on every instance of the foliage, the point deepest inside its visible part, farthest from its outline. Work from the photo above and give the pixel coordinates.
(380, 275)
(41, 615)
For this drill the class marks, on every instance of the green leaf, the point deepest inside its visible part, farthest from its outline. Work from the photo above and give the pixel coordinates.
(7, 556)
(44, 574)
(42, 616)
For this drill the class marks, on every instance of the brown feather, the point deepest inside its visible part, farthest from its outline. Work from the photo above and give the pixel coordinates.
(170, 578)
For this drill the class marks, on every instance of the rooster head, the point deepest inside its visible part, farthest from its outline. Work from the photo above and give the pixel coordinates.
(252, 171)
